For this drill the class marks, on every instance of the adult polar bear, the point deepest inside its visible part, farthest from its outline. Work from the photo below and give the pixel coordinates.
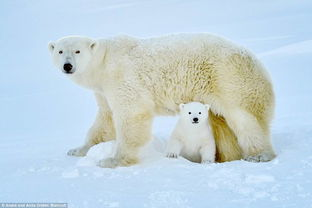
(136, 79)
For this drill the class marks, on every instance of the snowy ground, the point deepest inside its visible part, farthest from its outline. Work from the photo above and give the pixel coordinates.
(43, 114)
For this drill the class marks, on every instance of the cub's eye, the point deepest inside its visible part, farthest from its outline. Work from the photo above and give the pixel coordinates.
(199, 112)
(77, 52)
(190, 113)
(60, 52)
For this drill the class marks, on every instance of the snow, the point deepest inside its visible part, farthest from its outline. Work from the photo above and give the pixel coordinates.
(43, 114)
(302, 47)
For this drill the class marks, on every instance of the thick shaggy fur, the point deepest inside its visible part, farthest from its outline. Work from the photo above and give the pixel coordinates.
(192, 137)
(136, 79)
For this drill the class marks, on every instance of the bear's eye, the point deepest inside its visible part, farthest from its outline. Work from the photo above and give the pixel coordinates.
(190, 113)
(199, 112)
(77, 52)
(60, 52)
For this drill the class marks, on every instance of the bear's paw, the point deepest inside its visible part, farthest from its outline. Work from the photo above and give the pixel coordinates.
(78, 152)
(262, 157)
(172, 155)
(206, 162)
(108, 163)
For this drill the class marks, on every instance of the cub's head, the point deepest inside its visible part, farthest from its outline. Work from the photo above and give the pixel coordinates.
(194, 113)
(72, 54)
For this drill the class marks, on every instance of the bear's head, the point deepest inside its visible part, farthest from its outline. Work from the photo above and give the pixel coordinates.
(194, 113)
(73, 54)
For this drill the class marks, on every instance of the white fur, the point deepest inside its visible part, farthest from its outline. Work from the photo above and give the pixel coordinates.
(136, 79)
(194, 141)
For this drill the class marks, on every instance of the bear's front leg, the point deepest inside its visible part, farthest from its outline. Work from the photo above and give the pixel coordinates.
(174, 148)
(102, 129)
(133, 131)
(208, 153)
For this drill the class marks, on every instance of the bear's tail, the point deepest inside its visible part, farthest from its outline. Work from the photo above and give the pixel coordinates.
(226, 141)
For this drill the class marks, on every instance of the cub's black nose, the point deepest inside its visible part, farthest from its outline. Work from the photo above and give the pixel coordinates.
(195, 120)
(67, 67)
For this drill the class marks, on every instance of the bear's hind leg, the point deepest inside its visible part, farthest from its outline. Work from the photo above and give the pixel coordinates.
(253, 140)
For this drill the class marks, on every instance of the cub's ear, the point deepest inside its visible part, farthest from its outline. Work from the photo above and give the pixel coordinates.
(181, 106)
(93, 45)
(207, 106)
(51, 46)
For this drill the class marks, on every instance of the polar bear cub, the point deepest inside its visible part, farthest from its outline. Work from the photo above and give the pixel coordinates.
(192, 137)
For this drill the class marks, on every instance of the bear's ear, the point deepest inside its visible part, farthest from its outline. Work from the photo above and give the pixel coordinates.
(93, 45)
(51, 46)
(207, 106)
(181, 106)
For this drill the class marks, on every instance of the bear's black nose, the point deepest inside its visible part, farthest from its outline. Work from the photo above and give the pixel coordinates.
(195, 120)
(67, 67)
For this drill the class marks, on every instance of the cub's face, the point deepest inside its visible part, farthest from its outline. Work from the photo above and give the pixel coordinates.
(194, 113)
(72, 54)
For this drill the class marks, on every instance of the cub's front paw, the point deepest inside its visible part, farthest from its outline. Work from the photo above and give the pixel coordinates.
(78, 152)
(172, 155)
(108, 163)
(207, 161)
